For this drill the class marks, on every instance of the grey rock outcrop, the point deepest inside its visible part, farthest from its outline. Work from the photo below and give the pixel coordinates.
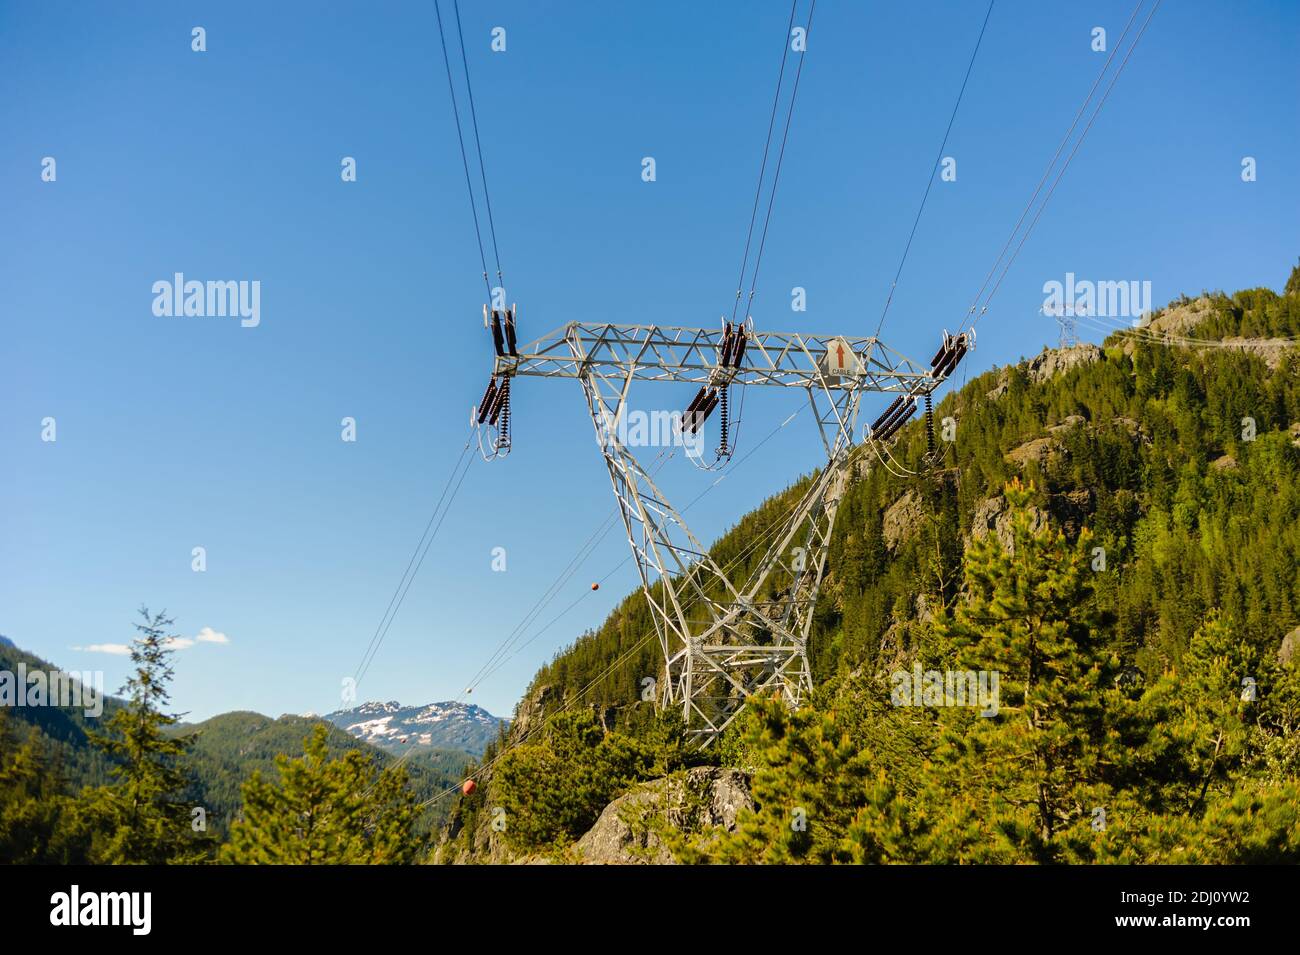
(1057, 361)
(902, 519)
(696, 800)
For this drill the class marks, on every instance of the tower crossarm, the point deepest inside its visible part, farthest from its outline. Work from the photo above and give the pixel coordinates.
(680, 354)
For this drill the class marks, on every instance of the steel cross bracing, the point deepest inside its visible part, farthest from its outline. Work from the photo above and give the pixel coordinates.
(722, 642)
(674, 353)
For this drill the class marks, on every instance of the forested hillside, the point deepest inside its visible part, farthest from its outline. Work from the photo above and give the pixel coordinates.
(65, 778)
(229, 748)
(1141, 441)
(1173, 452)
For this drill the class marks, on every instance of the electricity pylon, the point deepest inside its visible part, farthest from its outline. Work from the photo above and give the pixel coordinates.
(723, 639)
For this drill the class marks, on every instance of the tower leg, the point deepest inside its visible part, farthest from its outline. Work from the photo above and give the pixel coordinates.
(722, 644)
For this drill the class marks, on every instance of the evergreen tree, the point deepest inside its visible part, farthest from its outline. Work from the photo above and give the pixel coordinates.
(141, 818)
(553, 789)
(809, 782)
(1033, 776)
(324, 811)
(33, 807)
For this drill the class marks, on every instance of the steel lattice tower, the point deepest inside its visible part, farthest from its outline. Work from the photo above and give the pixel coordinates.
(724, 640)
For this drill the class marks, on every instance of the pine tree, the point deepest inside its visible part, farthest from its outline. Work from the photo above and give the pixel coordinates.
(141, 817)
(553, 789)
(323, 811)
(808, 784)
(1032, 777)
(32, 802)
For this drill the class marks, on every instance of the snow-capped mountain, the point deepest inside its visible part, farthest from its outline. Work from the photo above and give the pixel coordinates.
(395, 727)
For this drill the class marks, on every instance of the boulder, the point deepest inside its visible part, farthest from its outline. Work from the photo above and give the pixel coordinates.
(1036, 451)
(1290, 647)
(1070, 421)
(706, 797)
(1057, 361)
(992, 517)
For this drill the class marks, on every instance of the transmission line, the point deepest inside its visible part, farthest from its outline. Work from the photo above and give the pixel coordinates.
(933, 169)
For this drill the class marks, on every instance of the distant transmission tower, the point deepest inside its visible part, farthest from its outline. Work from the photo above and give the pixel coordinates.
(724, 640)
(1069, 334)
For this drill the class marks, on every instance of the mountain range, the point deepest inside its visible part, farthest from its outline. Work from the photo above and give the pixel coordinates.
(228, 748)
(397, 728)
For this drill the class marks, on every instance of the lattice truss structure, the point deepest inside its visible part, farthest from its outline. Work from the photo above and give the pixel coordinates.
(723, 639)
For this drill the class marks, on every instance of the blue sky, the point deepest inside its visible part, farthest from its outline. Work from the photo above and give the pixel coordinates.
(174, 432)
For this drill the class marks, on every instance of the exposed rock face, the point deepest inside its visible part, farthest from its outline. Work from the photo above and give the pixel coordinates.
(902, 519)
(1181, 317)
(1180, 320)
(1290, 647)
(992, 517)
(529, 709)
(702, 798)
(1272, 350)
(1070, 422)
(1036, 451)
(1057, 361)
(1132, 427)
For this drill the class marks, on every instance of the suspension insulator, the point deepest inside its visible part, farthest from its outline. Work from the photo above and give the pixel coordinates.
(503, 395)
(497, 338)
(724, 359)
(489, 397)
(738, 352)
(943, 350)
(702, 413)
(945, 368)
(510, 332)
(723, 450)
(929, 426)
(888, 412)
(503, 432)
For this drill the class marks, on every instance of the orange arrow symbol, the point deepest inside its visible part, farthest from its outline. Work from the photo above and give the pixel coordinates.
(839, 354)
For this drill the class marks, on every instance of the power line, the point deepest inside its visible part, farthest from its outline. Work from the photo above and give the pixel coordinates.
(1069, 158)
(491, 670)
(413, 565)
(1083, 107)
(780, 157)
(478, 145)
(469, 186)
(585, 550)
(933, 169)
(762, 169)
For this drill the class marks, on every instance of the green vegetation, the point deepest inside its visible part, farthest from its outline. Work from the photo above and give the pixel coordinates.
(141, 817)
(1192, 516)
(1118, 542)
(228, 749)
(1144, 568)
(326, 811)
(1078, 764)
(150, 789)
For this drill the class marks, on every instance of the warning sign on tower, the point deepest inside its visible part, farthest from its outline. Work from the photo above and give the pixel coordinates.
(840, 359)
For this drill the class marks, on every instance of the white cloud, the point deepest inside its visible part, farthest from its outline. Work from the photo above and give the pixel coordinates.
(206, 635)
